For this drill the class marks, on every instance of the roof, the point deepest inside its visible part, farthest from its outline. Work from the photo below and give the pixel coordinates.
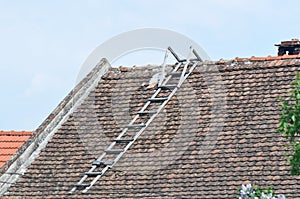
(10, 141)
(216, 133)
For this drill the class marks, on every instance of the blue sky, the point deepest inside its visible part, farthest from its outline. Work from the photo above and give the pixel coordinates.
(44, 43)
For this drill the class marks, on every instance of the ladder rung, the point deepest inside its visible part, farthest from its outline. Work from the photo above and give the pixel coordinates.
(157, 99)
(124, 140)
(136, 125)
(98, 163)
(167, 87)
(114, 151)
(81, 186)
(93, 174)
(147, 113)
(176, 74)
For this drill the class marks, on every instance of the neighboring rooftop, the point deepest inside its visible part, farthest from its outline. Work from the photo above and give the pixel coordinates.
(10, 142)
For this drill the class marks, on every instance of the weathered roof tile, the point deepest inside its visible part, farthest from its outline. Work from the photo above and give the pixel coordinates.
(189, 150)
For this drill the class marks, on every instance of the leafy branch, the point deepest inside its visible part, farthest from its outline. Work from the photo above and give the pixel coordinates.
(289, 125)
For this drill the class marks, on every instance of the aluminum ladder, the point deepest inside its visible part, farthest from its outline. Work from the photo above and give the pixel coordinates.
(182, 70)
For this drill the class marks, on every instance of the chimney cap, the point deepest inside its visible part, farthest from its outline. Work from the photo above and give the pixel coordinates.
(292, 42)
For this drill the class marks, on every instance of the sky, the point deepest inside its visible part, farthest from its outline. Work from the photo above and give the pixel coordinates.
(43, 44)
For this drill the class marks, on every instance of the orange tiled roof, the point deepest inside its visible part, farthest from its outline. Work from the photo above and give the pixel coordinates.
(10, 141)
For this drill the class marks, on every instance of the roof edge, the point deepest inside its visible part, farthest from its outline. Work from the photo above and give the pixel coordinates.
(26, 154)
(16, 133)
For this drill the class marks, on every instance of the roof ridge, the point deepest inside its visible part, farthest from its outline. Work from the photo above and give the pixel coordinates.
(123, 68)
(16, 133)
(254, 58)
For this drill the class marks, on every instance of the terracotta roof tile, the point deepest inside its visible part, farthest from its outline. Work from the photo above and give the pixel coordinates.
(10, 141)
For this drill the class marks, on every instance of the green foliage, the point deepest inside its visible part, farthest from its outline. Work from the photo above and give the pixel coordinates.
(289, 125)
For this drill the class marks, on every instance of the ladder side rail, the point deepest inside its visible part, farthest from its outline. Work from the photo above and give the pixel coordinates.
(185, 66)
(123, 132)
(114, 142)
(151, 118)
(183, 76)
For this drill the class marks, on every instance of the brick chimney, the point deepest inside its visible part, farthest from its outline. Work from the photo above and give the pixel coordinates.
(292, 47)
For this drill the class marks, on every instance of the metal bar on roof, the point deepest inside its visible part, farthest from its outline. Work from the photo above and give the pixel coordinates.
(197, 55)
(174, 54)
